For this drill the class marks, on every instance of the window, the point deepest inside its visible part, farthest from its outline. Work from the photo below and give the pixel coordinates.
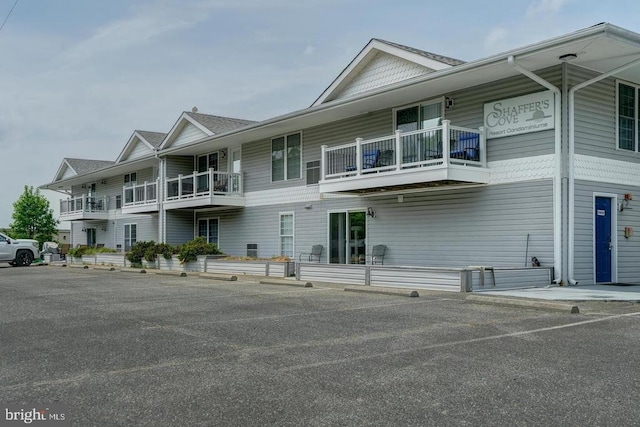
(208, 228)
(313, 172)
(421, 116)
(119, 201)
(208, 161)
(628, 120)
(286, 156)
(130, 179)
(130, 236)
(286, 234)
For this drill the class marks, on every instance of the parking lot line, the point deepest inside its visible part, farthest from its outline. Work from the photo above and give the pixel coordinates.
(453, 343)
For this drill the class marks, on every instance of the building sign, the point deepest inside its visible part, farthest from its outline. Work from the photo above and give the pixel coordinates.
(523, 114)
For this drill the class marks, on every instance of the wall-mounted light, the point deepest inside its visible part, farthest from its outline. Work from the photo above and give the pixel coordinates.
(84, 230)
(83, 186)
(624, 204)
(308, 206)
(371, 212)
(103, 228)
(448, 103)
(104, 181)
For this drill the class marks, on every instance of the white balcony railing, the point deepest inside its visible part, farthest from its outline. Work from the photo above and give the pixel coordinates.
(140, 194)
(83, 204)
(201, 184)
(405, 151)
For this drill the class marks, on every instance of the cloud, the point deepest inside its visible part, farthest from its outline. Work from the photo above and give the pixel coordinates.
(496, 40)
(544, 7)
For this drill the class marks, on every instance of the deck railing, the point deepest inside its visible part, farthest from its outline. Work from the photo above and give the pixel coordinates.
(406, 150)
(79, 204)
(207, 183)
(140, 194)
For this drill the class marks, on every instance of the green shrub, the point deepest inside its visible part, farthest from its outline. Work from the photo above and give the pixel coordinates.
(79, 251)
(166, 250)
(198, 246)
(139, 251)
(87, 250)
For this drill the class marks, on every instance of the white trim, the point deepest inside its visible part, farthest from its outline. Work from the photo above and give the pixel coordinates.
(614, 235)
(64, 162)
(522, 169)
(600, 169)
(293, 236)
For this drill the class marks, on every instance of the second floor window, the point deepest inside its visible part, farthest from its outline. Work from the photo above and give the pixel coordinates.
(628, 120)
(286, 157)
(130, 179)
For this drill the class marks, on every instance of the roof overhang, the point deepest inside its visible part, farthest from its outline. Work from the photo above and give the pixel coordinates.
(102, 173)
(600, 48)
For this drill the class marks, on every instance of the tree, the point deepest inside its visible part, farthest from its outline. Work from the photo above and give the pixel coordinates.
(32, 217)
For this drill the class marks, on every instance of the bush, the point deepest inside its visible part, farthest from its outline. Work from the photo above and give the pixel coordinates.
(198, 246)
(139, 251)
(87, 250)
(166, 250)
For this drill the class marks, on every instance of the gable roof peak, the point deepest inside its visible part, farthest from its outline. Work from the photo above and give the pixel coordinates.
(436, 57)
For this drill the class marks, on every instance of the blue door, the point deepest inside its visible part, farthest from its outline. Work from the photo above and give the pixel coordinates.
(604, 243)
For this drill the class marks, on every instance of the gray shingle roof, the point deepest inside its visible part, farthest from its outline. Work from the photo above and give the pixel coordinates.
(440, 58)
(153, 138)
(217, 124)
(82, 166)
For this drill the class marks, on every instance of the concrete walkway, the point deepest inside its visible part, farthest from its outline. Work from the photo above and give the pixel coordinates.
(574, 293)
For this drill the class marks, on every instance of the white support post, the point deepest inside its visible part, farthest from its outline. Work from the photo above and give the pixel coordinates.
(446, 142)
(179, 186)
(398, 149)
(359, 156)
(483, 147)
(323, 161)
(211, 181)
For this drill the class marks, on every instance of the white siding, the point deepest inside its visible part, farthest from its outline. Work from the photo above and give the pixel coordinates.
(187, 134)
(382, 70)
(68, 173)
(140, 149)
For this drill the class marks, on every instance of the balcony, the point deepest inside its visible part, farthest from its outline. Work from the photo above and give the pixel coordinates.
(406, 160)
(84, 207)
(204, 189)
(140, 198)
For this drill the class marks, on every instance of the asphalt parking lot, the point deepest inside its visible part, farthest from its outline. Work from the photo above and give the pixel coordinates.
(123, 349)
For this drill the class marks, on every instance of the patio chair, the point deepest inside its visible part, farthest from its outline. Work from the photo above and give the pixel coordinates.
(377, 255)
(468, 147)
(316, 252)
(369, 160)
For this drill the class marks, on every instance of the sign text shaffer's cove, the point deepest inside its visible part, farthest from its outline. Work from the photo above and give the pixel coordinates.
(523, 114)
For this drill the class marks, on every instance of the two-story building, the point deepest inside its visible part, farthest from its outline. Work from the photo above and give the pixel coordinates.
(533, 153)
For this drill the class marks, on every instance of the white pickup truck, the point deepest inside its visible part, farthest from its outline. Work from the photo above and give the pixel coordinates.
(20, 252)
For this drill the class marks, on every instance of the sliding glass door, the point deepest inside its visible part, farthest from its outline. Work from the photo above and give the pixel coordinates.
(347, 237)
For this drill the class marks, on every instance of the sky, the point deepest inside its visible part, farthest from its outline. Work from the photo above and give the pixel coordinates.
(77, 77)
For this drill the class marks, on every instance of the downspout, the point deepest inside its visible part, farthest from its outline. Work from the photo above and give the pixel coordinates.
(557, 167)
(160, 196)
(572, 140)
